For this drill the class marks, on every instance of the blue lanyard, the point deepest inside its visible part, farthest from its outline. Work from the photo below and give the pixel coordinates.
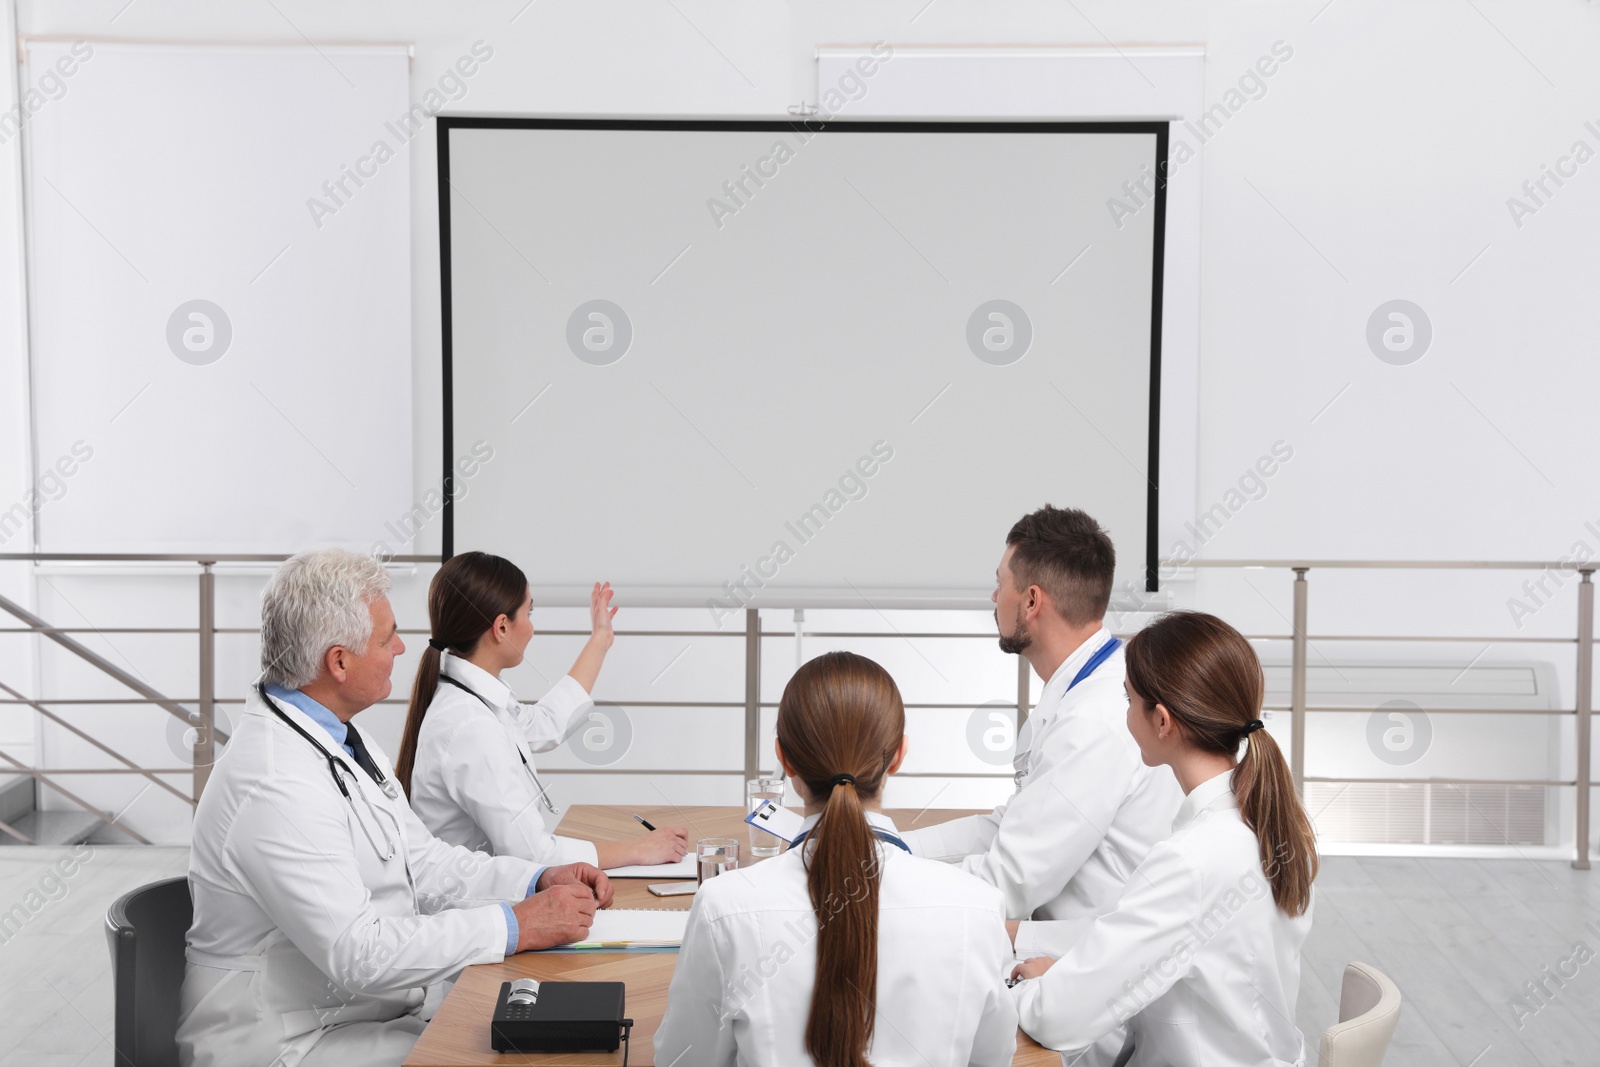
(1095, 660)
(881, 835)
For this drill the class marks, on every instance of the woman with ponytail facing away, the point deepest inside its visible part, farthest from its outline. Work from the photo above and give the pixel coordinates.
(845, 951)
(1201, 955)
(466, 754)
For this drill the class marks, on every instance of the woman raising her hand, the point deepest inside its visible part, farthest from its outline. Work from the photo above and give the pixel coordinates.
(466, 755)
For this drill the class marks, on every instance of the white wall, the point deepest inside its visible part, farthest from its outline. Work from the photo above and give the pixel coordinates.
(17, 726)
(1376, 165)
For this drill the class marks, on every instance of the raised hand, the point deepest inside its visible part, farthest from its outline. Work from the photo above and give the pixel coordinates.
(586, 670)
(601, 613)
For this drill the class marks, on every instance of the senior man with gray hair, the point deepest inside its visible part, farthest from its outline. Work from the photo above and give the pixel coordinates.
(326, 918)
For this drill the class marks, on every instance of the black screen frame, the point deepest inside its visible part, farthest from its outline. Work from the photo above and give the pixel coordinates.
(1160, 130)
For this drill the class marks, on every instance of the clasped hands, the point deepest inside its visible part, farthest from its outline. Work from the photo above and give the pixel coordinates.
(562, 908)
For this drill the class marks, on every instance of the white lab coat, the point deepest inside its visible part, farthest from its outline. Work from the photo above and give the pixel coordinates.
(741, 992)
(1196, 952)
(468, 783)
(299, 927)
(1087, 809)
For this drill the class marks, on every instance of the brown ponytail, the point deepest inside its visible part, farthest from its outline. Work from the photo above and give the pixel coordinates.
(1207, 676)
(465, 598)
(840, 724)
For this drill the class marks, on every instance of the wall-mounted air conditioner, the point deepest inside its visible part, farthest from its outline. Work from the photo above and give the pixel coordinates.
(1398, 736)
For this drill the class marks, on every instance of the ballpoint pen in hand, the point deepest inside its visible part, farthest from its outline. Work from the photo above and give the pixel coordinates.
(642, 821)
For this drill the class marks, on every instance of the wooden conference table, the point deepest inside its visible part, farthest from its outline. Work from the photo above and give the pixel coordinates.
(459, 1034)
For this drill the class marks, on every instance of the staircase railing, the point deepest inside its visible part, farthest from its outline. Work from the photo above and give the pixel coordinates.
(201, 718)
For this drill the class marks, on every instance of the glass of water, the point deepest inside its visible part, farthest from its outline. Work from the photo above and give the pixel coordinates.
(716, 854)
(758, 791)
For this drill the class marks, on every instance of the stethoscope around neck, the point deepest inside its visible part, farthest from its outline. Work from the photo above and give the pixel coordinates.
(527, 764)
(335, 766)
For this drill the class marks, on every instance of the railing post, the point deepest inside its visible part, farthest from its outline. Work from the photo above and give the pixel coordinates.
(1297, 695)
(1585, 706)
(1022, 692)
(752, 693)
(205, 741)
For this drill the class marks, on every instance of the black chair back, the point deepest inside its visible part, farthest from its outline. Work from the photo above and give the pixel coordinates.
(147, 930)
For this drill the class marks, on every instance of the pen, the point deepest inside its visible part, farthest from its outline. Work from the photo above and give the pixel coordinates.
(643, 822)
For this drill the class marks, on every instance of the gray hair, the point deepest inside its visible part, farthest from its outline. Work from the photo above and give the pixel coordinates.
(316, 600)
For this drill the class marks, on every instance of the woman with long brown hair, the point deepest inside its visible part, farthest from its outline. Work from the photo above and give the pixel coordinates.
(846, 950)
(1201, 955)
(466, 754)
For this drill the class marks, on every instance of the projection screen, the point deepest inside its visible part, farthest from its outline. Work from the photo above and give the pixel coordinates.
(788, 364)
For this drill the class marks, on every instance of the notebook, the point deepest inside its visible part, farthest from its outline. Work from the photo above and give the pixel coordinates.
(658, 872)
(625, 928)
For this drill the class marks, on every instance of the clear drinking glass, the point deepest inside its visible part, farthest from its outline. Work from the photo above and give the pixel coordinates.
(716, 854)
(756, 792)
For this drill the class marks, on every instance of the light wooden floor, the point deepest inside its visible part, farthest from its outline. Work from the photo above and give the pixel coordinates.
(1460, 938)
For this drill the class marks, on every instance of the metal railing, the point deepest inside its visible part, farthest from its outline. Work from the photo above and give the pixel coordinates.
(1300, 639)
(200, 713)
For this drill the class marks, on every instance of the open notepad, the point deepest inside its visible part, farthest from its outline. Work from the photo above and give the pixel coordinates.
(660, 872)
(635, 928)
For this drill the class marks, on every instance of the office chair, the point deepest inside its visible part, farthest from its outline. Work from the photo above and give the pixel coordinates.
(1369, 1008)
(146, 930)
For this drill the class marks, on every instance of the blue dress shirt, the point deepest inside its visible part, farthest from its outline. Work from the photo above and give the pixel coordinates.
(336, 730)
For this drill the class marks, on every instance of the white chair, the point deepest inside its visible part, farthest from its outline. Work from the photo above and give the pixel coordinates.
(1369, 1008)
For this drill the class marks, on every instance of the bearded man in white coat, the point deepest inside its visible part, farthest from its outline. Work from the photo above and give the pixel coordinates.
(327, 920)
(1086, 809)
